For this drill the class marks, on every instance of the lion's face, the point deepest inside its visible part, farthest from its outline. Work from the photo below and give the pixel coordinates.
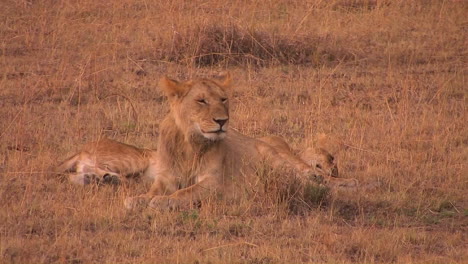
(327, 163)
(200, 107)
(321, 160)
(205, 110)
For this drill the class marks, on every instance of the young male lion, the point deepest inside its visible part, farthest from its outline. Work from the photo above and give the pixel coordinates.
(199, 155)
(108, 161)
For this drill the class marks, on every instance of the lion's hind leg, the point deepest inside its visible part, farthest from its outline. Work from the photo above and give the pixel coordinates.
(78, 166)
(69, 164)
(88, 172)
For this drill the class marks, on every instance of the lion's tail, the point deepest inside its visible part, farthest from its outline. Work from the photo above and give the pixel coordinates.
(68, 165)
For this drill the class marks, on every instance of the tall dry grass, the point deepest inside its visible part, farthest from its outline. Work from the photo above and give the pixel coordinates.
(388, 78)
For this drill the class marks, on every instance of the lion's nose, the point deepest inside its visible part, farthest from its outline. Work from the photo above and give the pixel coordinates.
(220, 121)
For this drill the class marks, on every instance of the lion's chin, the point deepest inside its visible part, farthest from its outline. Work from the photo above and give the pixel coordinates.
(214, 136)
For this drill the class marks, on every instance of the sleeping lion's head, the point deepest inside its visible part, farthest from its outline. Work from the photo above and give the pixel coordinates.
(200, 107)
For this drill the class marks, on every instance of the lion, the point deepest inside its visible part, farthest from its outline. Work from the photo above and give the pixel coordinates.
(199, 155)
(108, 161)
(317, 157)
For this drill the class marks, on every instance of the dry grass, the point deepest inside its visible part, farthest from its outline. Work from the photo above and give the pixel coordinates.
(387, 77)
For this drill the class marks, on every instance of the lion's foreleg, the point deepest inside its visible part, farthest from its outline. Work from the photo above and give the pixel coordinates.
(186, 197)
(161, 186)
(285, 158)
(341, 183)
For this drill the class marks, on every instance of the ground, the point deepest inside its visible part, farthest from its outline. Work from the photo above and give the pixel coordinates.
(388, 78)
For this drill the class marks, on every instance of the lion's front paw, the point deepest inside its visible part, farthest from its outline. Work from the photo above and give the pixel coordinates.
(312, 175)
(342, 183)
(351, 183)
(168, 203)
(316, 178)
(135, 202)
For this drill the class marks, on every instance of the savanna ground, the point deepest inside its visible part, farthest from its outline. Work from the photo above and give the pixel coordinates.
(387, 78)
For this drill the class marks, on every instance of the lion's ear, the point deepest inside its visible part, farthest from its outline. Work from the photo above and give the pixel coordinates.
(225, 80)
(172, 87)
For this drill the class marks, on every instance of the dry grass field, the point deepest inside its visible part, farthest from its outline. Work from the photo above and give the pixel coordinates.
(388, 78)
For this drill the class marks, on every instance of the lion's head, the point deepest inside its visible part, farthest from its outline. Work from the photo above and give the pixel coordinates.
(321, 160)
(200, 108)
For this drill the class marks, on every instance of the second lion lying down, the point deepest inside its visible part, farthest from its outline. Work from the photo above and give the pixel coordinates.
(199, 155)
(108, 162)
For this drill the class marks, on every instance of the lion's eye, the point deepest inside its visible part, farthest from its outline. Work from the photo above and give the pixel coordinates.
(202, 101)
(224, 100)
(318, 166)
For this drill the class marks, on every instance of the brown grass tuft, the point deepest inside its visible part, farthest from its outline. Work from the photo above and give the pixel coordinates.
(231, 45)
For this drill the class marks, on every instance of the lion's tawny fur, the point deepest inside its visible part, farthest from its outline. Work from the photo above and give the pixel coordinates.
(199, 155)
(105, 160)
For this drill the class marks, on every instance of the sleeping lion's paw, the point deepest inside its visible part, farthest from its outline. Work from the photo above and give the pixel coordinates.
(168, 203)
(342, 183)
(313, 175)
(136, 202)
